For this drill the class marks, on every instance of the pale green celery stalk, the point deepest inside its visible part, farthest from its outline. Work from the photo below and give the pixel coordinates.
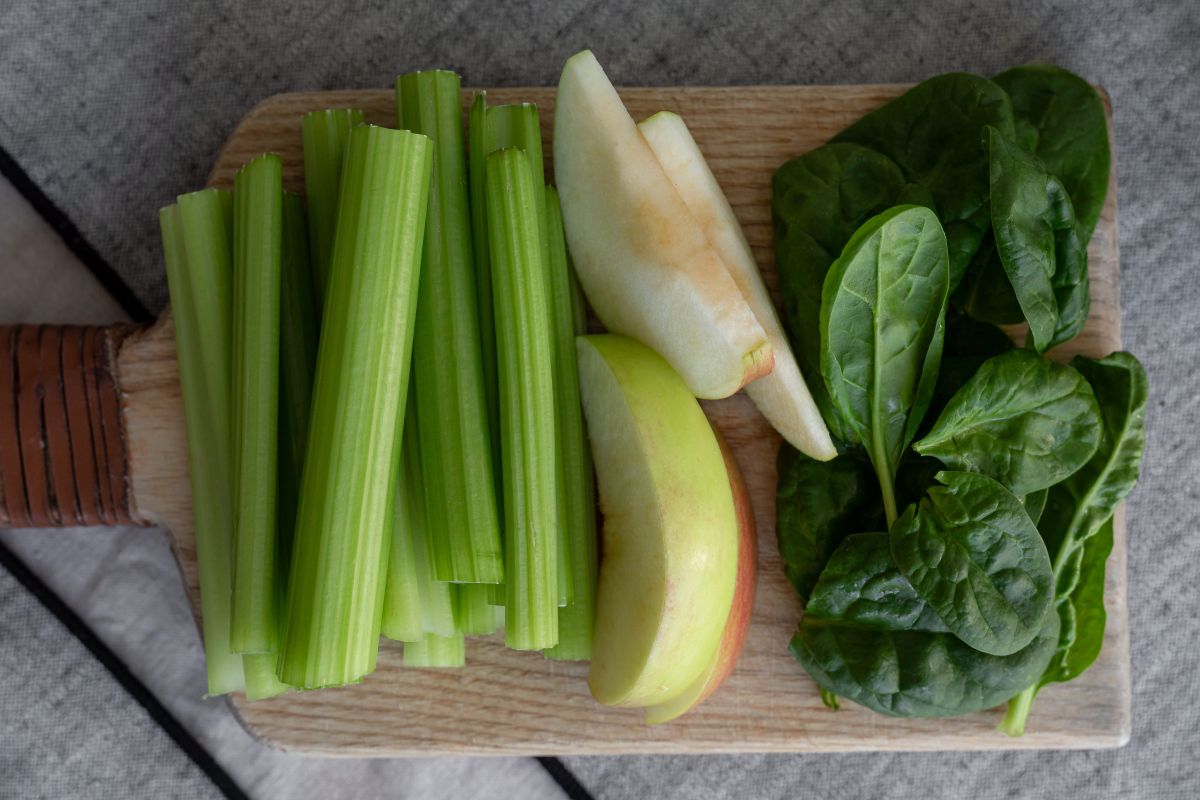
(476, 614)
(439, 601)
(261, 680)
(528, 422)
(477, 162)
(576, 484)
(518, 126)
(339, 556)
(496, 593)
(460, 488)
(410, 577)
(298, 336)
(324, 134)
(196, 250)
(436, 651)
(257, 265)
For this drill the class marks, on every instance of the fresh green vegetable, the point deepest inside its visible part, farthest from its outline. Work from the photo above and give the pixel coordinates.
(298, 331)
(460, 488)
(1060, 119)
(196, 248)
(261, 680)
(967, 344)
(436, 651)
(818, 504)
(1025, 421)
(324, 134)
(868, 635)
(577, 488)
(257, 266)
(971, 552)
(335, 592)
(932, 132)
(819, 200)
(1035, 504)
(476, 614)
(1037, 242)
(529, 422)
(882, 318)
(1076, 522)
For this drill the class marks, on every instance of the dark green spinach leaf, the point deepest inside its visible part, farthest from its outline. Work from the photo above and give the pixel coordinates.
(818, 201)
(819, 503)
(932, 132)
(971, 552)
(968, 344)
(1021, 419)
(882, 317)
(1034, 228)
(1060, 118)
(1035, 504)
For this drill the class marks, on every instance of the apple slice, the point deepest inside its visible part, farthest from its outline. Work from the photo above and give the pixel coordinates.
(783, 396)
(726, 655)
(641, 257)
(670, 532)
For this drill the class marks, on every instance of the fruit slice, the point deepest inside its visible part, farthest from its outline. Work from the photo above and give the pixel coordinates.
(642, 259)
(782, 397)
(726, 655)
(670, 533)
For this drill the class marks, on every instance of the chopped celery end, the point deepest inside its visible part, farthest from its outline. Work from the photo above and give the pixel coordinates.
(410, 575)
(261, 680)
(335, 594)
(197, 256)
(324, 134)
(460, 487)
(257, 265)
(528, 430)
(436, 651)
(476, 615)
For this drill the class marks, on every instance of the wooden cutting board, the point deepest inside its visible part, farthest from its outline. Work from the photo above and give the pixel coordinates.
(97, 420)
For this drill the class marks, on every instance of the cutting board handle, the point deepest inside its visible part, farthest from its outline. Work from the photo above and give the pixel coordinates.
(63, 455)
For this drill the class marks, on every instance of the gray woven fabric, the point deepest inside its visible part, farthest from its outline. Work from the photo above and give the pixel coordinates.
(49, 678)
(114, 110)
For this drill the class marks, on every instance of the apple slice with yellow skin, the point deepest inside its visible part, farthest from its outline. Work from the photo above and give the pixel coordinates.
(783, 396)
(724, 659)
(670, 531)
(641, 257)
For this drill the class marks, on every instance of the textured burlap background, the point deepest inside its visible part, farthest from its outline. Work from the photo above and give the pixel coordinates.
(113, 108)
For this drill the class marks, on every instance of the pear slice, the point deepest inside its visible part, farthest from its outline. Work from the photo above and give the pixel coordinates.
(642, 259)
(783, 396)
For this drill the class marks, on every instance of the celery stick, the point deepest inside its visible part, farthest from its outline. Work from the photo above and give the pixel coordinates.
(261, 680)
(339, 555)
(460, 489)
(436, 651)
(528, 422)
(476, 615)
(324, 135)
(496, 593)
(518, 126)
(407, 578)
(257, 262)
(478, 150)
(297, 360)
(576, 488)
(196, 250)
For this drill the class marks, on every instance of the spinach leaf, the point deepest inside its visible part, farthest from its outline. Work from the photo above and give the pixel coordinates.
(1021, 419)
(1035, 504)
(969, 342)
(1034, 228)
(971, 552)
(985, 292)
(818, 201)
(882, 316)
(932, 132)
(818, 503)
(862, 584)
(915, 673)
(1060, 118)
(1077, 522)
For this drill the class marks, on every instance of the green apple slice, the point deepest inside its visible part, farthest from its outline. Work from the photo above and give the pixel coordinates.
(670, 533)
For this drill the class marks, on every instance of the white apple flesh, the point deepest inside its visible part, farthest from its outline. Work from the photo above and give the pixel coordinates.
(642, 259)
(782, 396)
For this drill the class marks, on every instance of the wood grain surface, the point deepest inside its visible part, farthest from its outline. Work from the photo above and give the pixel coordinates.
(514, 703)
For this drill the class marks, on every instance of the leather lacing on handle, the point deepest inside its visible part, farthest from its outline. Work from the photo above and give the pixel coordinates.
(63, 460)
